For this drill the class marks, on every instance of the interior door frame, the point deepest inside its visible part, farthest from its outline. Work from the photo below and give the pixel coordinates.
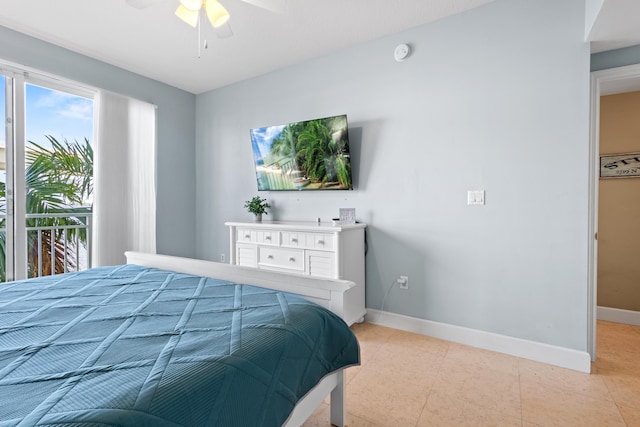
(604, 82)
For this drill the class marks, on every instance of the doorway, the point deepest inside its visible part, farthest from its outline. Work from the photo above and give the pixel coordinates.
(46, 174)
(616, 80)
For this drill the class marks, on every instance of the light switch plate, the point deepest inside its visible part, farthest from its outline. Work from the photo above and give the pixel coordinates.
(475, 197)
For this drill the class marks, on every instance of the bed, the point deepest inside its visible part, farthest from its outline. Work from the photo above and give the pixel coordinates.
(169, 341)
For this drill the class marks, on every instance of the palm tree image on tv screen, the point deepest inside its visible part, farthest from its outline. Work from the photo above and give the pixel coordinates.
(307, 155)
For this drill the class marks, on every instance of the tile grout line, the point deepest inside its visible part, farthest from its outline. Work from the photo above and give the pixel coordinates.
(433, 386)
(520, 390)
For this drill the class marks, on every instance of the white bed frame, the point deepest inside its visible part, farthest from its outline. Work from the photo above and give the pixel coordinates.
(329, 293)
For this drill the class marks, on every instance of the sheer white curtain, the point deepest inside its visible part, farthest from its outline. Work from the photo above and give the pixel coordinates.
(124, 177)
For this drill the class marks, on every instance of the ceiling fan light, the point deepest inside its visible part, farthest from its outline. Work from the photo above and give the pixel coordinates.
(216, 13)
(191, 4)
(187, 15)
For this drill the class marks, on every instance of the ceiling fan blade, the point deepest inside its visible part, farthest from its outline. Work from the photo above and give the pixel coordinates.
(142, 4)
(223, 31)
(277, 6)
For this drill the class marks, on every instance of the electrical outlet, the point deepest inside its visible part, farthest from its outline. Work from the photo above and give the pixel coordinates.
(221, 257)
(403, 281)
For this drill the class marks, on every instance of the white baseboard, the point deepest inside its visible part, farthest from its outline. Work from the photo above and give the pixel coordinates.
(618, 315)
(540, 352)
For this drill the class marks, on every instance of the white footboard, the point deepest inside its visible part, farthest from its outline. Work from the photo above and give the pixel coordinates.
(329, 293)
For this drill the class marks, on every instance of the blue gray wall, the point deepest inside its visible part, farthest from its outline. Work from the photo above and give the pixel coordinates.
(615, 58)
(176, 128)
(494, 99)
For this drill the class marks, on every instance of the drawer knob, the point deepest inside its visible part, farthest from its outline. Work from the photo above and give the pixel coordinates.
(247, 236)
(270, 256)
(267, 238)
(292, 259)
(321, 242)
(294, 240)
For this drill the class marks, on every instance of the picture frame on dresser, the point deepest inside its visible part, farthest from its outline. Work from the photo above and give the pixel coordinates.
(347, 216)
(312, 249)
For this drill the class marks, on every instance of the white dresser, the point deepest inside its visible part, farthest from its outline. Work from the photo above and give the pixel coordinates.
(305, 248)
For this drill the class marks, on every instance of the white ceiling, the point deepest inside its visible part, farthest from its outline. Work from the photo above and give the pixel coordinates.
(154, 43)
(617, 25)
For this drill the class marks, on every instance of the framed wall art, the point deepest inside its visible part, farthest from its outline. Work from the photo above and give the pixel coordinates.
(620, 165)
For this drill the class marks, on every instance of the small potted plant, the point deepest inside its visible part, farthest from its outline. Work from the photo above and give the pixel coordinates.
(257, 206)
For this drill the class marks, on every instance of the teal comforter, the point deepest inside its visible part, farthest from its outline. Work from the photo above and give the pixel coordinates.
(133, 346)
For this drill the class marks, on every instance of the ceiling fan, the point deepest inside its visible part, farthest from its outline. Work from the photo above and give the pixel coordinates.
(218, 16)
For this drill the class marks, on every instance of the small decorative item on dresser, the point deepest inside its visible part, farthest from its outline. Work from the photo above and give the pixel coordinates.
(257, 206)
(347, 216)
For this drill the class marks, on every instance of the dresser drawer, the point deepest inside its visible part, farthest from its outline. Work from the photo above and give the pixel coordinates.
(290, 259)
(320, 241)
(246, 236)
(267, 237)
(264, 237)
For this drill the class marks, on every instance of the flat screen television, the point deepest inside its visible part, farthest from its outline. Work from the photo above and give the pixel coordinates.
(307, 155)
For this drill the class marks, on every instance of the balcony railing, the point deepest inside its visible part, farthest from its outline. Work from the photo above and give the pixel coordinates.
(56, 243)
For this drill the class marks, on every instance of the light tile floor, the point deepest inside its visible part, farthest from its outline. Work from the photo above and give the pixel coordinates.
(412, 380)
